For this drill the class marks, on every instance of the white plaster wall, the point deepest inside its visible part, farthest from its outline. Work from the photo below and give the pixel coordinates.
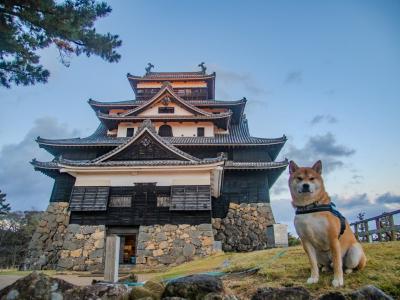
(178, 129)
(153, 110)
(163, 178)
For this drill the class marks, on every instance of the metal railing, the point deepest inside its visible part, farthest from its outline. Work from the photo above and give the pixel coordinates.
(385, 228)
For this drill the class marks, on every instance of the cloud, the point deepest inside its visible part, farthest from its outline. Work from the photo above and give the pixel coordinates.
(24, 187)
(294, 77)
(323, 118)
(229, 80)
(351, 206)
(323, 147)
(388, 198)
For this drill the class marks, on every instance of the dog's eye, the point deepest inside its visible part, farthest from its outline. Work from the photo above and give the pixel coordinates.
(312, 178)
(299, 178)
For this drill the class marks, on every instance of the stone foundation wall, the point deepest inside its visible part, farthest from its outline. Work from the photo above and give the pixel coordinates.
(173, 244)
(56, 244)
(48, 238)
(245, 227)
(83, 248)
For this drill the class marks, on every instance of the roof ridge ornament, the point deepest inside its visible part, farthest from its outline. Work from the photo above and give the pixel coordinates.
(148, 68)
(146, 124)
(203, 67)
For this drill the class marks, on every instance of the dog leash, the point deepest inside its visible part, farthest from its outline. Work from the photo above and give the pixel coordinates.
(331, 207)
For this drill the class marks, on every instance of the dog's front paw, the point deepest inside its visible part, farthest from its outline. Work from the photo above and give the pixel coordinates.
(312, 280)
(337, 282)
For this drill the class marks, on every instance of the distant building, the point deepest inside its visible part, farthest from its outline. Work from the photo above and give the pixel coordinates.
(164, 172)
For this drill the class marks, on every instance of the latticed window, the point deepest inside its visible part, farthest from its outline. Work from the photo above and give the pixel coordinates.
(165, 130)
(120, 201)
(163, 201)
(166, 110)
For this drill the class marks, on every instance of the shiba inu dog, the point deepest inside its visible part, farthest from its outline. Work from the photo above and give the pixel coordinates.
(325, 234)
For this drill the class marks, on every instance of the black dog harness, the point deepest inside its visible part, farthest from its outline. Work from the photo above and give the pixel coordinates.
(331, 207)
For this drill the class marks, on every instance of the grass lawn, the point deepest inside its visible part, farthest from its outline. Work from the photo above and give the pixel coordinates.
(283, 267)
(290, 267)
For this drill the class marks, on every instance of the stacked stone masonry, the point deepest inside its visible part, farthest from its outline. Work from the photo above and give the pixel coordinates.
(245, 227)
(48, 239)
(173, 244)
(56, 244)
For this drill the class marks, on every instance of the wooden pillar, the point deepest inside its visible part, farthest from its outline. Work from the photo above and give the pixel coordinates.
(356, 231)
(112, 258)
(378, 228)
(368, 236)
(392, 231)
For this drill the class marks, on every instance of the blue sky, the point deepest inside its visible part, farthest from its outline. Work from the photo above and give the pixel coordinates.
(326, 74)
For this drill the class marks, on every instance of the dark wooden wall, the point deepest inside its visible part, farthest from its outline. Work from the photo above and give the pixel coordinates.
(241, 187)
(62, 188)
(144, 210)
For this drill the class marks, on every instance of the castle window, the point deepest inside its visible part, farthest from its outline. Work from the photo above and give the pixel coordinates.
(120, 201)
(200, 131)
(166, 110)
(130, 132)
(163, 201)
(165, 130)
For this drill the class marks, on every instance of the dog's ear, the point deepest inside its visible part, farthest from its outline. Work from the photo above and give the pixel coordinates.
(317, 167)
(292, 167)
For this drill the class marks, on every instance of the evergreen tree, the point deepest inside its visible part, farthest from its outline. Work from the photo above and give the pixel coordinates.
(4, 207)
(27, 26)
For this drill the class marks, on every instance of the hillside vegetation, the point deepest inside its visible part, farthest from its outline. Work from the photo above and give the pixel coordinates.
(289, 267)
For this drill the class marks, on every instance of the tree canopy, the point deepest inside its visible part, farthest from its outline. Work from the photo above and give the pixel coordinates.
(4, 207)
(27, 26)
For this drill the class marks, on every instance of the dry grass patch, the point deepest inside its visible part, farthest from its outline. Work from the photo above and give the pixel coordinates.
(289, 267)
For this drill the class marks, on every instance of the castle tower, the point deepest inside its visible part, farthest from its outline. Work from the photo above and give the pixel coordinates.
(170, 172)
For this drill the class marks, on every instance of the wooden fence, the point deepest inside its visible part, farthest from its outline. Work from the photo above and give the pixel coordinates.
(385, 228)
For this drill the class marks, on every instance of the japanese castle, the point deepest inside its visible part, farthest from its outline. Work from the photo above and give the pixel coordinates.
(161, 171)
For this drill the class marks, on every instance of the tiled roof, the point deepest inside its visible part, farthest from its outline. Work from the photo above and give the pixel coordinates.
(60, 163)
(146, 126)
(132, 103)
(238, 135)
(236, 165)
(174, 75)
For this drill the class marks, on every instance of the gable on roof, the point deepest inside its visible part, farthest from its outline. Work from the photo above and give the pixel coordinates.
(166, 95)
(145, 148)
(166, 107)
(146, 144)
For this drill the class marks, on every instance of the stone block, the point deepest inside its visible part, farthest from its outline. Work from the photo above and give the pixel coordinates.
(189, 250)
(98, 235)
(99, 244)
(96, 253)
(158, 252)
(160, 237)
(74, 228)
(76, 253)
(277, 235)
(88, 229)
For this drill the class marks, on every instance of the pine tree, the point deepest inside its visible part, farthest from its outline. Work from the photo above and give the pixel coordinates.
(27, 26)
(4, 207)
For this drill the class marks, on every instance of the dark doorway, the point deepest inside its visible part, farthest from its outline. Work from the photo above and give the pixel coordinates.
(165, 130)
(127, 249)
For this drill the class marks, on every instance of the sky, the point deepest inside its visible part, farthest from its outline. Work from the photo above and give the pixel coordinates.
(325, 73)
